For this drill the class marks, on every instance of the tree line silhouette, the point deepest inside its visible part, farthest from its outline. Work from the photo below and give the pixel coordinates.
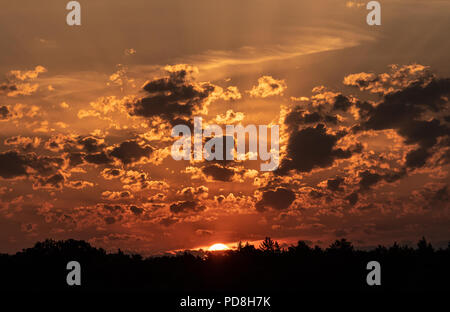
(266, 268)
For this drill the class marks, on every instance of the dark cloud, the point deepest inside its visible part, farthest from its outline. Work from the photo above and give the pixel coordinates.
(341, 102)
(125, 194)
(278, 199)
(218, 172)
(95, 152)
(417, 158)
(75, 159)
(424, 133)
(44, 165)
(113, 208)
(315, 194)
(130, 151)
(112, 173)
(53, 182)
(436, 197)
(186, 206)
(311, 148)
(91, 144)
(298, 117)
(368, 179)
(98, 158)
(136, 210)
(220, 199)
(402, 111)
(4, 112)
(192, 193)
(13, 165)
(335, 184)
(7, 87)
(352, 198)
(168, 221)
(442, 195)
(171, 98)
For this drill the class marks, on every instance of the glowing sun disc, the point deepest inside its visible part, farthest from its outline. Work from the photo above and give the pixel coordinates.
(217, 247)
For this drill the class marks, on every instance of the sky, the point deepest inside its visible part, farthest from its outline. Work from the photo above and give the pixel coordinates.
(86, 114)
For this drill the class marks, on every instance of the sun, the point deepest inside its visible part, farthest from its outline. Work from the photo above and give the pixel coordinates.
(217, 247)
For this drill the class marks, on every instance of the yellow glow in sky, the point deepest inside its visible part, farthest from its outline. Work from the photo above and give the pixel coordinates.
(217, 247)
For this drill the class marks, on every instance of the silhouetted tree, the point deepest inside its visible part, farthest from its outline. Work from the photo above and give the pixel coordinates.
(302, 248)
(339, 267)
(341, 246)
(269, 246)
(424, 247)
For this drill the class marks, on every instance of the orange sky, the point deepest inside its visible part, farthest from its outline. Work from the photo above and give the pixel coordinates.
(363, 115)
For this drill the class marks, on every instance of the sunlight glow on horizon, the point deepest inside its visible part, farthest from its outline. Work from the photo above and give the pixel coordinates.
(217, 247)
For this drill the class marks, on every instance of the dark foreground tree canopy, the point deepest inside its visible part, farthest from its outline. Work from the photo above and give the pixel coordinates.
(264, 268)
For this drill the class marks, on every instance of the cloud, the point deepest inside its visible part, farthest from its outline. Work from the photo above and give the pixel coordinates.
(25, 143)
(91, 144)
(335, 184)
(75, 159)
(399, 78)
(218, 172)
(191, 193)
(310, 148)
(100, 158)
(202, 232)
(96, 152)
(12, 165)
(135, 210)
(18, 82)
(4, 112)
(278, 199)
(297, 116)
(55, 181)
(229, 118)
(230, 93)
(168, 221)
(186, 206)
(28, 74)
(129, 152)
(413, 103)
(442, 195)
(43, 170)
(117, 195)
(130, 51)
(368, 178)
(341, 102)
(79, 184)
(16, 89)
(8, 88)
(173, 98)
(112, 173)
(301, 41)
(268, 86)
(352, 198)
(414, 112)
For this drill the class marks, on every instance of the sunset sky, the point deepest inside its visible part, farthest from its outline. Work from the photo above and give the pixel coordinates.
(86, 114)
